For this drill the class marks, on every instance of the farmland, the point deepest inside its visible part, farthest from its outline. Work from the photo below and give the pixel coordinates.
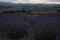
(31, 24)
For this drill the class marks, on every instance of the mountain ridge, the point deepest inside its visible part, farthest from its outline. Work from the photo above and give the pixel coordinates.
(28, 4)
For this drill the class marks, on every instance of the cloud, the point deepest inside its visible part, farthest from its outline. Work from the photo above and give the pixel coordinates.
(29, 1)
(20, 1)
(54, 0)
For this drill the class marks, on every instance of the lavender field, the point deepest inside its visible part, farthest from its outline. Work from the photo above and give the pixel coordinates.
(31, 27)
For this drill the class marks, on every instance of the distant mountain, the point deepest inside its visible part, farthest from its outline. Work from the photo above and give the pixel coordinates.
(28, 5)
(6, 4)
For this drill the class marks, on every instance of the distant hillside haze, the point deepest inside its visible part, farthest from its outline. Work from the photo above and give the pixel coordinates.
(28, 4)
(6, 4)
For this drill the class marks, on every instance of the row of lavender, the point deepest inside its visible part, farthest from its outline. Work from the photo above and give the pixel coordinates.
(38, 27)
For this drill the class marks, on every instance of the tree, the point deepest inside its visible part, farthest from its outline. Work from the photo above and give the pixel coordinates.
(58, 10)
(23, 10)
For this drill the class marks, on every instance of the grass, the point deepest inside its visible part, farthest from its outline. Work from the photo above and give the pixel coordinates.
(44, 34)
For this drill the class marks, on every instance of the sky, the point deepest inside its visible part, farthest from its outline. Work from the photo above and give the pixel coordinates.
(32, 1)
